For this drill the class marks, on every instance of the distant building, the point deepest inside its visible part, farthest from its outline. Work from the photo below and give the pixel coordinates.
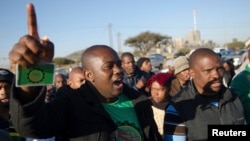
(178, 43)
(4, 63)
(194, 38)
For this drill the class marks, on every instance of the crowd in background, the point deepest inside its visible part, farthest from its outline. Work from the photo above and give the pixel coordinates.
(159, 87)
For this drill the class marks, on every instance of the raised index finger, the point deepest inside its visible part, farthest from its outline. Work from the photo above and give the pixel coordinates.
(32, 23)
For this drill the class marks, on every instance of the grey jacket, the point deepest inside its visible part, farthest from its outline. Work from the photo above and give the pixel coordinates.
(197, 112)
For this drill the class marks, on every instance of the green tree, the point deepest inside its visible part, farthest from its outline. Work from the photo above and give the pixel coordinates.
(145, 41)
(235, 44)
(136, 53)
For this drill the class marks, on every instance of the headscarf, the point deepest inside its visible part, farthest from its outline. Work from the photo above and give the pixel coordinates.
(161, 78)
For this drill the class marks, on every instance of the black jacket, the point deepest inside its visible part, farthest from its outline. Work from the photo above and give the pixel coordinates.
(77, 115)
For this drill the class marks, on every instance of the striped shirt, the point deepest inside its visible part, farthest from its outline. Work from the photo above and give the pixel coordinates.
(174, 127)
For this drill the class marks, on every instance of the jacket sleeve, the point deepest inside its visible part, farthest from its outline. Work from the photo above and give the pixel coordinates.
(174, 127)
(36, 119)
(240, 85)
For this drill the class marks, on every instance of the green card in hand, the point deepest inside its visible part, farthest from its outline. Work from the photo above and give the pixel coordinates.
(39, 75)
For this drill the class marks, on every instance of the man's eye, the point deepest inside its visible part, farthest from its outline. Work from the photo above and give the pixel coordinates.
(221, 69)
(109, 66)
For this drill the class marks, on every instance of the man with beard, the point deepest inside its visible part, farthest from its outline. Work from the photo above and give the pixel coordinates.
(203, 102)
(103, 109)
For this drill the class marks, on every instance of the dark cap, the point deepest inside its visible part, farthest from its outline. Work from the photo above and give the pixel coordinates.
(6, 75)
(141, 61)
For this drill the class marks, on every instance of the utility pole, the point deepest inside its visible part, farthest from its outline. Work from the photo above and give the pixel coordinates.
(110, 35)
(119, 43)
(225, 36)
(195, 28)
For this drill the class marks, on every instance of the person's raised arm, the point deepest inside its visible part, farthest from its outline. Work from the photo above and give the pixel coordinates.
(30, 50)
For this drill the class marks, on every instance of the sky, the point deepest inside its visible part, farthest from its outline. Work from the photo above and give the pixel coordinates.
(77, 24)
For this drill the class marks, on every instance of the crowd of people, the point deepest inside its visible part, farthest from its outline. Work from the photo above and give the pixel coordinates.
(111, 97)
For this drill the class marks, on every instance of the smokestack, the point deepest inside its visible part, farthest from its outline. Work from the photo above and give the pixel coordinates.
(194, 14)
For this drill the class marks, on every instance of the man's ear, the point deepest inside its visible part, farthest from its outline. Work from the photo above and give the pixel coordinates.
(68, 82)
(191, 73)
(88, 75)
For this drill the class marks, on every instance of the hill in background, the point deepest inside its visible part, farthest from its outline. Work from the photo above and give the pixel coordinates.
(75, 55)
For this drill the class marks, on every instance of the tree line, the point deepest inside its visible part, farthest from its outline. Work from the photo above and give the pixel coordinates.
(145, 41)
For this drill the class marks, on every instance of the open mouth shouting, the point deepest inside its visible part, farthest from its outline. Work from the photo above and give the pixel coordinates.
(118, 83)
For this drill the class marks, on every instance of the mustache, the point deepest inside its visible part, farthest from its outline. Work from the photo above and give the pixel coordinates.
(207, 86)
(215, 80)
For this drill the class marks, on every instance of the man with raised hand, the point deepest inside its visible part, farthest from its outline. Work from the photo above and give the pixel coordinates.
(103, 109)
